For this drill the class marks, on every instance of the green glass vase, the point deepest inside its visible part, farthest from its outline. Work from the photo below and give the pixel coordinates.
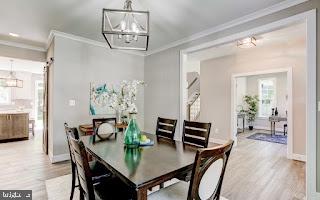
(132, 134)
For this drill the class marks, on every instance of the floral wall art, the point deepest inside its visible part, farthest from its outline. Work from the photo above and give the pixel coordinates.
(111, 98)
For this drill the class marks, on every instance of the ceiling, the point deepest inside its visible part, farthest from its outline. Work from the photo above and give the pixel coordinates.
(21, 65)
(293, 34)
(170, 20)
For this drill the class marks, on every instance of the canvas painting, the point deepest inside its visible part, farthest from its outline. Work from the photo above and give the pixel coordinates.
(99, 102)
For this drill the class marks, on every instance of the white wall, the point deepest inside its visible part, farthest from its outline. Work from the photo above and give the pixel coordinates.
(167, 63)
(21, 53)
(76, 64)
(216, 86)
(241, 92)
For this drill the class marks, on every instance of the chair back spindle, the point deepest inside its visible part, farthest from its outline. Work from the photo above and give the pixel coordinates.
(73, 132)
(166, 128)
(83, 169)
(196, 133)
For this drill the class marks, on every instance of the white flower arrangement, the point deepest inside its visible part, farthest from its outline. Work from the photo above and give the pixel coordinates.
(122, 99)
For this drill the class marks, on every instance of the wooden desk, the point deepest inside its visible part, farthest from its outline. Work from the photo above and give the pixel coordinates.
(273, 119)
(144, 167)
(87, 129)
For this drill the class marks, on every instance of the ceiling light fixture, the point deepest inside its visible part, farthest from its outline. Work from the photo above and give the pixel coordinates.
(11, 80)
(248, 42)
(126, 29)
(13, 34)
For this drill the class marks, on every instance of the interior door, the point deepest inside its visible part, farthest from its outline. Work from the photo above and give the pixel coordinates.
(45, 108)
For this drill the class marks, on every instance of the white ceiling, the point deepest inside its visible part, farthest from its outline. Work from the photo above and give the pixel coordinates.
(21, 65)
(170, 20)
(294, 33)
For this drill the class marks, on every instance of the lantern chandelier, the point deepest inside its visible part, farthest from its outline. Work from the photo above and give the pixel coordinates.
(246, 43)
(11, 80)
(126, 29)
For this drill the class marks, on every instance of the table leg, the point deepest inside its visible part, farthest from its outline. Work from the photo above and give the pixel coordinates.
(33, 128)
(243, 124)
(141, 194)
(271, 128)
(273, 132)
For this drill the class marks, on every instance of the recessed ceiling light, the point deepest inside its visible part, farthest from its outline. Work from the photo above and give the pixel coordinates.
(13, 34)
(247, 42)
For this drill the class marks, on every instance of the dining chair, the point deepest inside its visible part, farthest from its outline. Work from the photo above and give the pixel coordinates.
(166, 128)
(196, 133)
(207, 176)
(98, 170)
(111, 188)
(103, 125)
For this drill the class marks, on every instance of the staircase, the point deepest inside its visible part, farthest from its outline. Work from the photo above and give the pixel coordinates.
(193, 104)
(193, 108)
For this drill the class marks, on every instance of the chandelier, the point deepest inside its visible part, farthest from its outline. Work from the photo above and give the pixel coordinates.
(126, 29)
(11, 80)
(248, 42)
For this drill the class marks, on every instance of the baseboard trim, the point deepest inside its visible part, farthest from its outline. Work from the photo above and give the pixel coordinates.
(217, 141)
(299, 157)
(59, 158)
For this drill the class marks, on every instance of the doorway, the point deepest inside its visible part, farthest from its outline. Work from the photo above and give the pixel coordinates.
(39, 89)
(279, 96)
(24, 99)
(309, 18)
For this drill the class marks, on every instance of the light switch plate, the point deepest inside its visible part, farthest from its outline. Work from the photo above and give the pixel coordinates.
(72, 102)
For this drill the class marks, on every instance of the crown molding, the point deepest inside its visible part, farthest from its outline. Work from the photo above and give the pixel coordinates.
(255, 15)
(23, 46)
(54, 33)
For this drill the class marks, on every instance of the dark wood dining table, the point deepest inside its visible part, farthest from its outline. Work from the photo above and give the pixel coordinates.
(144, 167)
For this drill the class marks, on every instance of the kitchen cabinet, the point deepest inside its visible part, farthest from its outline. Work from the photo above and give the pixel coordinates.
(14, 125)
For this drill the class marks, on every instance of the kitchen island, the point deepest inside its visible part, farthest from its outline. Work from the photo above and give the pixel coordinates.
(14, 125)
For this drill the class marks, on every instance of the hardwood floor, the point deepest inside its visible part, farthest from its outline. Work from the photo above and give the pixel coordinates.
(259, 170)
(24, 166)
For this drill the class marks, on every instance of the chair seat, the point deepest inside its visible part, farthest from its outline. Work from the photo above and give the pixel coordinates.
(112, 189)
(178, 191)
(99, 171)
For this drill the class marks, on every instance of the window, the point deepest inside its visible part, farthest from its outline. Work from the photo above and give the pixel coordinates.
(5, 95)
(267, 96)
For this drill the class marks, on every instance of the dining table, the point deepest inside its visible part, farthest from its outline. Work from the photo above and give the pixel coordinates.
(143, 167)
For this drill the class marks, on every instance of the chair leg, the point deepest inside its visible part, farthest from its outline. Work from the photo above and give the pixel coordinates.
(81, 194)
(73, 169)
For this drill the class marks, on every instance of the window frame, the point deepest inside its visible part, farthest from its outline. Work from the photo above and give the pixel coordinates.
(274, 102)
(9, 97)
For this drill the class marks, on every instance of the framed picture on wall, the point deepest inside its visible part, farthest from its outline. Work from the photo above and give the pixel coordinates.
(99, 99)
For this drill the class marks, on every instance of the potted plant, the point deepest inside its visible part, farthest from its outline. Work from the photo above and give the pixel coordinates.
(251, 108)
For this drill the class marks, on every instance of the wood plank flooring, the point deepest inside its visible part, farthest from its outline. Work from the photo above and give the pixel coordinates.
(259, 170)
(256, 171)
(24, 166)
